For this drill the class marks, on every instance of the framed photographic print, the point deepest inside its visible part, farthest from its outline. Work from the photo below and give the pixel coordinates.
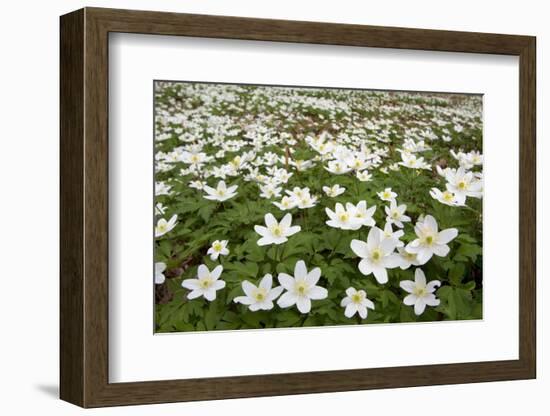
(256, 207)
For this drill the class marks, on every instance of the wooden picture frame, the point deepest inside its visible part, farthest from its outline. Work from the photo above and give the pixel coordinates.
(84, 207)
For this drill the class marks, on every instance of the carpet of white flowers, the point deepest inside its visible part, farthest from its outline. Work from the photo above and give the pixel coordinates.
(289, 207)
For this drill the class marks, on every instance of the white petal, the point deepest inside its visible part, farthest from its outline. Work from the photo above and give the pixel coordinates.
(261, 230)
(369, 303)
(202, 271)
(293, 230)
(419, 278)
(317, 293)
(447, 235)
(264, 241)
(266, 282)
(419, 307)
(215, 274)
(407, 285)
(218, 284)
(191, 284)
(430, 222)
(287, 299)
(424, 255)
(275, 293)
(360, 248)
(373, 239)
(303, 304)
(410, 300)
(286, 221)
(431, 300)
(432, 285)
(300, 270)
(248, 288)
(365, 267)
(245, 300)
(286, 281)
(350, 310)
(313, 276)
(381, 274)
(350, 291)
(392, 261)
(194, 294)
(440, 250)
(270, 220)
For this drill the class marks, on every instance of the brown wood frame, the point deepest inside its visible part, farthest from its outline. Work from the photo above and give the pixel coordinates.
(84, 207)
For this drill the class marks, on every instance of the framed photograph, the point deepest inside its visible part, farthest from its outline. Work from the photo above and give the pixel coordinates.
(256, 207)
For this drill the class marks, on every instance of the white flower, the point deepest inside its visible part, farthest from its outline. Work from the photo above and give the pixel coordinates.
(197, 184)
(164, 226)
(306, 201)
(259, 297)
(420, 293)
(206, 284)
(276, 232)
(338, 168)
(364, 176)
(270, 191)
(396, 214)
(342, 218)
(464, 184)
(301, 288)
(286, 203)
(388, 233)
(218, 248)
(160, 267)
(302, 197)
(361, 213)
(386, 194)
(159, 209)
(376, 254)
(356, 302)
(407, 259)
(430, 241)
(301, 165)
(334, 190)
(162, 189)
(410, 160)
(221, 193)
(447, 197)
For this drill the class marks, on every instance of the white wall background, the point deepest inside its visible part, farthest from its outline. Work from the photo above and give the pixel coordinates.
(29, 228)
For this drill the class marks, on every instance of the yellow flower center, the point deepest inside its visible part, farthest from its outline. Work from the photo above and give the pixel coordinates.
(410, 256)
(420, 291)
(301, 288)
(218, 246)
(395, 214)
(162, 227)
(344, 217)
(206, 282)
(194, 158)
(448, 196)
(462, 185)
(221, 192)
(260, 295)
(386, 194)
(356, 298)
(429, 239)
(276, 230)
(376, 254)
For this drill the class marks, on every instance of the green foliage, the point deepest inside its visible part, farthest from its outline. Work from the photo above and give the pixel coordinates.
(201, 221)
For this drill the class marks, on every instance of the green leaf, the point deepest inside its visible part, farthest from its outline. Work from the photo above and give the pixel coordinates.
(248, 269)
(456, 273)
